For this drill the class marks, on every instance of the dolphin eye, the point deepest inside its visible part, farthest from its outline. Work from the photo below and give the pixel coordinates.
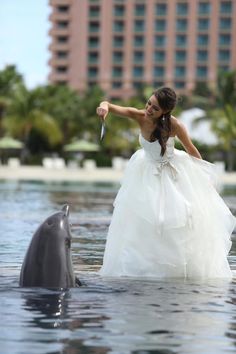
(68, 242)
(50, 222)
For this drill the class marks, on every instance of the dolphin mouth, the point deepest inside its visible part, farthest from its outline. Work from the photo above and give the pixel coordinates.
(66, 209)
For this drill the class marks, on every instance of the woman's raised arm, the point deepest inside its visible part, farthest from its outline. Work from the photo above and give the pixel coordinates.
(128, 112)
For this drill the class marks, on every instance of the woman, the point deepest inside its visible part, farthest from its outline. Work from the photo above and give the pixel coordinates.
(168, 221)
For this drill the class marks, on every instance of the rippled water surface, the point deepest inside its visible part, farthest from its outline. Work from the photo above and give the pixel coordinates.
(104, 316)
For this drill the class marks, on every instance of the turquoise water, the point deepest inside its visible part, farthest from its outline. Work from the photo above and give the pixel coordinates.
(105, 316)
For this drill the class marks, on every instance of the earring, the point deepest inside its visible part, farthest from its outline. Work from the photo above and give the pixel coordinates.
(163, 118)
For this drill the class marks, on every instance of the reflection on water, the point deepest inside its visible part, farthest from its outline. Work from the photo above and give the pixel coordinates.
(106, 315)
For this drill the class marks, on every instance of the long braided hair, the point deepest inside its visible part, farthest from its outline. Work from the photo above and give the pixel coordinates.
(167, 99)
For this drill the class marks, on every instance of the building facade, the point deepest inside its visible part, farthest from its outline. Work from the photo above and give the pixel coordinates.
(122, 45)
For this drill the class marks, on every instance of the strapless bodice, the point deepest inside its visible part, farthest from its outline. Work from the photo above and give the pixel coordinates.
(153, 149)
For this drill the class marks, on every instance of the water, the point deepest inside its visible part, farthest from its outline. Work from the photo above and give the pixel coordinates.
(105, 316)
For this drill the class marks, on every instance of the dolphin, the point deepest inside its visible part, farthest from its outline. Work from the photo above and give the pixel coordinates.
(48, 262)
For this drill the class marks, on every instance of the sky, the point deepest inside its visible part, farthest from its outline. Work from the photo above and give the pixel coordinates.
(24, 38)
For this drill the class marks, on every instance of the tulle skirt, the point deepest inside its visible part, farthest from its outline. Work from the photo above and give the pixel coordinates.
(169, 221)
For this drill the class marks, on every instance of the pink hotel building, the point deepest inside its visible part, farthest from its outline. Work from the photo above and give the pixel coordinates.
(124, 44)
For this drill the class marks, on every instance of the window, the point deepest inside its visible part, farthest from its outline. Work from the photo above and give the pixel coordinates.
(224, 39)
(138, 41)
(62, 55)
(93, 42)
(138, 71)
(204, 8)
(182, 8)
(118, 26)
(138, 85)
(224, 55)
(139, 10)
(181, 40)
(226, 7)
(179, 84)
(180, 71)
(181, 24)
(223, 67)
(92, 72)
(94, 26)
(159, 71)
(118, 41)
(202, 55)
(117, 71)
(119, 10)
(180, 55)
(202, 39)
(93, 57)
(160, 25)
(61, 69)
(203, 24)
(161, 9)
(62, 24)
(159, 56)
(94, 11)
(138, 57)
(118, 57)
(158, 83)
(139, 26)
(160, 41)
(63, 8)
(62, 39)
(225, 23)
(116, 84)
(202, 71)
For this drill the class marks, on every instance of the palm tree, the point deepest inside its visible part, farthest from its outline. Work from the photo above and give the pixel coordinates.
(23, 115)
(223, 118)
(225, 125)
(9, 80)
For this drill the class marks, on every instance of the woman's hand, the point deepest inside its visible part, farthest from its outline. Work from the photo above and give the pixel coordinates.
(102, 110)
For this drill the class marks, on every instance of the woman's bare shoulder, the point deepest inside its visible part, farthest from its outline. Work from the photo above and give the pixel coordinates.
(175, 124)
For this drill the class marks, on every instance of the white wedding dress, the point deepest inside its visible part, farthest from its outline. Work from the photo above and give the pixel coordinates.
(168, 220)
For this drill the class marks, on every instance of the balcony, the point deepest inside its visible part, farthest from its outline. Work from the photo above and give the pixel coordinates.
(159, 56)
(94, 27)
(60, 2)
(160, 41)
(224, 55)
(139, 26)
(119, 10)
(182, 9)
(181, 41)
(117, 72)
(55, 31)
(202, 56)
(181, 25)
(159, 72)
(224, 39)
(139, 10)
(118, 26)
(55, 46)
(204, 8)
(160, 25)
(180, 56)
(225, 23)
(226, 7)
(118, 58)
(94, 11)
(203, 24)
(161, 9)
(54, 17)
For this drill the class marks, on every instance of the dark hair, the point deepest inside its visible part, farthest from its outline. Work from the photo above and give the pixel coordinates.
(167, 100)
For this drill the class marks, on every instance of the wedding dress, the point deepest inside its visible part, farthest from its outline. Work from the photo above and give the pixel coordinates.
(168, 220)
